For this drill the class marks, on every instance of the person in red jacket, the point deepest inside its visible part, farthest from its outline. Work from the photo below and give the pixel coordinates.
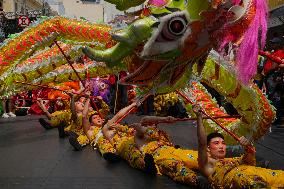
(272, 66)
(274, 74)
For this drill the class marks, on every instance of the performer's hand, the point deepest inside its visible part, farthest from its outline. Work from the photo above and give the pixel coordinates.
(99, 97)
(112, 126)
(87, 84)
(197, 110)
(139, 100)
(39, 101)
(244, 141)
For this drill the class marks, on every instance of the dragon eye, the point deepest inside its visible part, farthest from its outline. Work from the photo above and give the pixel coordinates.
(173, 29)
(177, 26)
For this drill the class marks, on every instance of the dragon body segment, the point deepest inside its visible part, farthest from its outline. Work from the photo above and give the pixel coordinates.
(256, 112)
(43, 34)
(162, 53)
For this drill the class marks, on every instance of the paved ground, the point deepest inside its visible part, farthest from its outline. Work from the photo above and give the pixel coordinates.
(31, 157)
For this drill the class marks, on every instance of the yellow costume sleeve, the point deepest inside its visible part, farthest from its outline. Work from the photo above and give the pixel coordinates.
(60, 117)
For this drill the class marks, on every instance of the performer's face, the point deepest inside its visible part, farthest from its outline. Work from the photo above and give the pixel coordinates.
(97, 120)
(79, 106)
(217, 148)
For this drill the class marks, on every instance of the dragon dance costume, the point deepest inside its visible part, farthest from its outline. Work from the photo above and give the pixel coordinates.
(231, 173)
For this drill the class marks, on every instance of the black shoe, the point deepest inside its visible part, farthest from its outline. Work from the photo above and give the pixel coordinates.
(73, 134)
(177, 146)
(74, 142)
(150, 166)
(111, 157)
(61, 131)
(45, 124)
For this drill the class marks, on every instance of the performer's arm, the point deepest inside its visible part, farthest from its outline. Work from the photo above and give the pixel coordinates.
(24, 103)
(85, 121)
(82, 88)
(148, 120)
(105, 130)
(43, 108)
(202, 144)
(111, 124)
(249, 156)
(121, 113)
(73, 111)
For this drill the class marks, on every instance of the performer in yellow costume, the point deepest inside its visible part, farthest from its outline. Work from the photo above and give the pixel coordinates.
(178, 164)
(57, 118)
(235, 172)
(80, 111)
(94, 127)
(62, 117)
(151, 150)
(122, 139)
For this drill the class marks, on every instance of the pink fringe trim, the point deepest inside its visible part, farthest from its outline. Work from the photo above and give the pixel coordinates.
(247, 53)
(158, 3)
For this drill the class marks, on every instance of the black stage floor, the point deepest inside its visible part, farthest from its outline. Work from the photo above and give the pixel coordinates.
(31, 157)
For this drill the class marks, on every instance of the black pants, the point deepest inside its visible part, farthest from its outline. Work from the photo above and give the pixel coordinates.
(21, 112)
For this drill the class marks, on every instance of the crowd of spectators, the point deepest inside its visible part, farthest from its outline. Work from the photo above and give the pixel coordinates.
(25, 103)
(270, 76)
